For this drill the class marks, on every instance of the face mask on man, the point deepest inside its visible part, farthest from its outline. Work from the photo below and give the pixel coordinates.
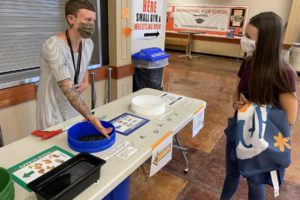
(248, 45)
(86, 30)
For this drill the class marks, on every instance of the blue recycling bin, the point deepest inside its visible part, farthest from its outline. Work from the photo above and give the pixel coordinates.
(121, 192)
(149, 66)
(85, 128)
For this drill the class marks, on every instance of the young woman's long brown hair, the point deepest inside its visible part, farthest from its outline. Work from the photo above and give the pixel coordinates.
(268, 73)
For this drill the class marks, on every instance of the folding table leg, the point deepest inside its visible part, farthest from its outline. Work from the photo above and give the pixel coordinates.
(183, 151)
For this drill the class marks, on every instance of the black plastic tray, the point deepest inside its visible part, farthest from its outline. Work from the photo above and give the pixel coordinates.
(68, 179)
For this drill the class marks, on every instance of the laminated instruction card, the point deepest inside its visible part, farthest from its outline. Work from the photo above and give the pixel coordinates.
(127, 123)
(37, 165)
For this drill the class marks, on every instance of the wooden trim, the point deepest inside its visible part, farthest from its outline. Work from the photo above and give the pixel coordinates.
(27, 92)
(177, 41)
(286, 46)
(217, 39)
(213, 39)
(100, 73)
(16, 95)
(177, 35)
(122, 71)
(205, 38)
(117, 72)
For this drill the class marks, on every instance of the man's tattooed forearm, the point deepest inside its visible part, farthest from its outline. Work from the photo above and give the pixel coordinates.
(74, 98)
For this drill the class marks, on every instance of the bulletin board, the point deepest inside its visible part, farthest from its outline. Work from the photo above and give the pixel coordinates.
(209, 20)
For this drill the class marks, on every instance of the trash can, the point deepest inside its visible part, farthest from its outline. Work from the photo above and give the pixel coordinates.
(295, 57)
(121, 192)
(149, 67)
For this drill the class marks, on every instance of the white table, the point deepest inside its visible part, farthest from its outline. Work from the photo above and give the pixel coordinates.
(115, 170)
(190, 38)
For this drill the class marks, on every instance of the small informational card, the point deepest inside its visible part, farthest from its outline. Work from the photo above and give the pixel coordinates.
(171, 99)
(116, 150)
(127, 123)
(37, 165)
(127, 152)
(161, 153)
(198, 121)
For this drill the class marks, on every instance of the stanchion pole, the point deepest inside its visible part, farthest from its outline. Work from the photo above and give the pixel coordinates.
(93, 91)
(1, 138)
(109, 84)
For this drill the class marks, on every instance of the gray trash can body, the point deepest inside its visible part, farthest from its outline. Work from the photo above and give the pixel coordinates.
(149, 72)
(147, 78)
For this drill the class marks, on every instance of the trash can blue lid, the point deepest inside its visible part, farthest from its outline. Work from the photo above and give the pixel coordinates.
(151, 54)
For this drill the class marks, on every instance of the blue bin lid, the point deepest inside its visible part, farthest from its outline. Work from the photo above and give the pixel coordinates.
(151, 54)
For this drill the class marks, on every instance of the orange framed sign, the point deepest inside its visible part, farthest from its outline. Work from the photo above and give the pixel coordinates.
(210, 20)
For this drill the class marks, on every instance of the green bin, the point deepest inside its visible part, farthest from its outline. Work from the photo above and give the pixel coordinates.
(7, 190)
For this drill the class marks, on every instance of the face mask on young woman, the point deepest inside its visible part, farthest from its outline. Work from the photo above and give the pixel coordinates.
(86, 30)
(248, 45)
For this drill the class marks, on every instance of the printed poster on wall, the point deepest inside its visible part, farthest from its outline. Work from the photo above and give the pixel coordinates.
(210, 20)
(147, 19)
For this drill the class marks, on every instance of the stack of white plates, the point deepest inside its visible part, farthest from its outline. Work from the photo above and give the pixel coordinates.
(148, 105)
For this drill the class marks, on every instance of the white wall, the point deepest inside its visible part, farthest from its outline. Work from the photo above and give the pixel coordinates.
(281, 7)
(100, 88)
(137, 45)
(18, 121)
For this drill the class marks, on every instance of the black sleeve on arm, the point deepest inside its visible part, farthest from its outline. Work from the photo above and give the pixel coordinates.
(242, 67)
(292, 78)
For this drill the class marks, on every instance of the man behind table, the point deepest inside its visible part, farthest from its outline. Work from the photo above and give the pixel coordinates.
(64, 75)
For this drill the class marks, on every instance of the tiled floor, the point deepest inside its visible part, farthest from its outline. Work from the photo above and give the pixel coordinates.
(212, 79)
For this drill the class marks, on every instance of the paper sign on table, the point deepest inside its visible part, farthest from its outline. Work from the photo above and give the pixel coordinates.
(35, 166)
(171, 99)
(115, 150)
(127, 152)
(198, 121)
(161, 153)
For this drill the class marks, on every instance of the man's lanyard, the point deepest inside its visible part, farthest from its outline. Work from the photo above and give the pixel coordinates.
(76, 69)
